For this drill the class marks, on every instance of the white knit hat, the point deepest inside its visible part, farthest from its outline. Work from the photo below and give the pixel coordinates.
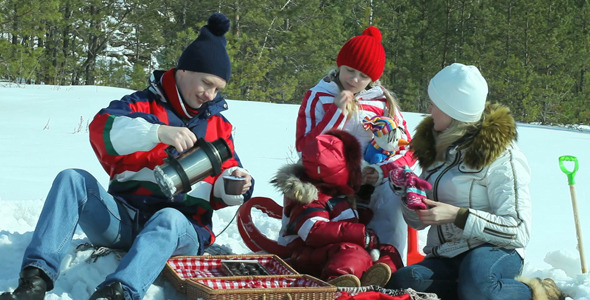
(459, 91)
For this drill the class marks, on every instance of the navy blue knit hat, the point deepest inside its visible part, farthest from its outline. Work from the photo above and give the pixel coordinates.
(207, 54)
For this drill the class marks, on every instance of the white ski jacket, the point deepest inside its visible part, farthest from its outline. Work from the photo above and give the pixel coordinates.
(489, 175)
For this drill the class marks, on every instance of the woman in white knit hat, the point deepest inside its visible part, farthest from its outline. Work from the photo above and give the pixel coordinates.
(479, 207)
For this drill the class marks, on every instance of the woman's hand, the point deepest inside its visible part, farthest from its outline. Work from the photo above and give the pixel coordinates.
(179, 137)
(438, 213)
(343, 99)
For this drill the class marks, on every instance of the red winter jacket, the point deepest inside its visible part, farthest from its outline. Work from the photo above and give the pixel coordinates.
(322, 232)
(124, 138)
(318, 114)
(318, 228)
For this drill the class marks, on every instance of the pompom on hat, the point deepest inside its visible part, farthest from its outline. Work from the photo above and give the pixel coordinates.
(364, 53)
(207, 53)
(460, 91)
(332, 160)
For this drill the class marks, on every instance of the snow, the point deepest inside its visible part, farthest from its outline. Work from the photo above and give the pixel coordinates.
(44, 129)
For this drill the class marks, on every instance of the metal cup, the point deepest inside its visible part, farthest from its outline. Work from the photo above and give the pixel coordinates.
(233, 185)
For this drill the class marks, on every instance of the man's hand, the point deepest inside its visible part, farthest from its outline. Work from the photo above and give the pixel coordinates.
(439, 213)
(248, 184)
(179, 137)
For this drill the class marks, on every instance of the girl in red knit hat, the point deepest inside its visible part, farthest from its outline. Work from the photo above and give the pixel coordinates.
(321, 228)
(343, 100)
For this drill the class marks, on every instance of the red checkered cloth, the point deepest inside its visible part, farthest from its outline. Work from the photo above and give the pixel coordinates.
(197, 267)
(248, 283)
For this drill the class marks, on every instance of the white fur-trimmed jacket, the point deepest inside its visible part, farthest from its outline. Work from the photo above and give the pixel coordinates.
(486, 173)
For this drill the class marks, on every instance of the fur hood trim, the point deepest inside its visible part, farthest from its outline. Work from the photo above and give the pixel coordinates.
(330, 165)
(491, 136)
(289, 181)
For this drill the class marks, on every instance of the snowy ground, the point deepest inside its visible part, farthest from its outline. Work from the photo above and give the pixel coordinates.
(43, 129)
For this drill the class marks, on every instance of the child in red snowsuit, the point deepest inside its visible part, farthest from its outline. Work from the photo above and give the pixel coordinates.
(320, 224)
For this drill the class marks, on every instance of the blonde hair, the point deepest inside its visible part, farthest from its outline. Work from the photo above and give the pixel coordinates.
(446, 138)
(392, 106)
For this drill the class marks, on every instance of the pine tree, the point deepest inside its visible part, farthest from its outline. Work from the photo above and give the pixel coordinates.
(534, 54)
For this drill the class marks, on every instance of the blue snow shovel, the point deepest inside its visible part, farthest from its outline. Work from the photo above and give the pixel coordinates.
(571, 182)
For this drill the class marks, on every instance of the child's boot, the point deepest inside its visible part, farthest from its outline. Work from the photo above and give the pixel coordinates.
(378, 274)
(346, 280)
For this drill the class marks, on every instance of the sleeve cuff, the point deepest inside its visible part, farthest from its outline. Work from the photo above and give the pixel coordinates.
(153, 133)
(461, 218)
(380, 173)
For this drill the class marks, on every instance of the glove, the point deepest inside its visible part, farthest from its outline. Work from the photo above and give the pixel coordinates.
(406, 184)
(362, 203)
(365, 192)
(397, 180)
(371, 239)
(415, 191)
(365, 213)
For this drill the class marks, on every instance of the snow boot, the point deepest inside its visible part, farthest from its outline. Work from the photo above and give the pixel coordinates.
(378, 274)
(113, 291)
(545, 289)
(32, 285)
(348, 280)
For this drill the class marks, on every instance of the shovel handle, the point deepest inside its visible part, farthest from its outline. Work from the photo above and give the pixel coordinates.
(570, 174)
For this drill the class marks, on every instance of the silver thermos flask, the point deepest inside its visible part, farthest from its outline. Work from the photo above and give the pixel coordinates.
(178, 174)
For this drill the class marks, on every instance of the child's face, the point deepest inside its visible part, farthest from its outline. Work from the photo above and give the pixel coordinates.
(353, 80)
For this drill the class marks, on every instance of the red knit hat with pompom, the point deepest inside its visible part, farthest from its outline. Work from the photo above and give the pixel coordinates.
(364, 53)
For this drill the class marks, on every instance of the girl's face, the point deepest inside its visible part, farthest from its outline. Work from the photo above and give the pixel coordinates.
(353, 80)
(441, 120)
(198, 88)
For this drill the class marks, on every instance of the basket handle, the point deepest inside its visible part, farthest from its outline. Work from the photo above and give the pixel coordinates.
(570, 174)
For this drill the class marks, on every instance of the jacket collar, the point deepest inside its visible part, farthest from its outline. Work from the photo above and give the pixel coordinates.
(330, 87)
(208, 109)
(494, 133)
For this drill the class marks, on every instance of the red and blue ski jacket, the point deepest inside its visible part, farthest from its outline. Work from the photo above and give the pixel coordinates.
(124, 138)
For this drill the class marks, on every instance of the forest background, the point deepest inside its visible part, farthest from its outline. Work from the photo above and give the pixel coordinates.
(535, 54)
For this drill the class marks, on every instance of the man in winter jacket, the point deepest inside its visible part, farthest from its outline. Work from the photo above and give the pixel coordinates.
(320, 224)
(129, 137)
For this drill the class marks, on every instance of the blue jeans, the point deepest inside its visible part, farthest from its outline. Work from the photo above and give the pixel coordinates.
(76, 198)
(486, 272)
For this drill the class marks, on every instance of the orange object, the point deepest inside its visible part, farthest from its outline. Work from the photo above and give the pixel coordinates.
(414, 254)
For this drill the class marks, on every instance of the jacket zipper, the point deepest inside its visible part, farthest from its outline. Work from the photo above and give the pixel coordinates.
(435, 190)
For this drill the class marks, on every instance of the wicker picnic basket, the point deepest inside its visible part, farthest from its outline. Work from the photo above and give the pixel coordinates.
(268, 287)
(209, 277)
